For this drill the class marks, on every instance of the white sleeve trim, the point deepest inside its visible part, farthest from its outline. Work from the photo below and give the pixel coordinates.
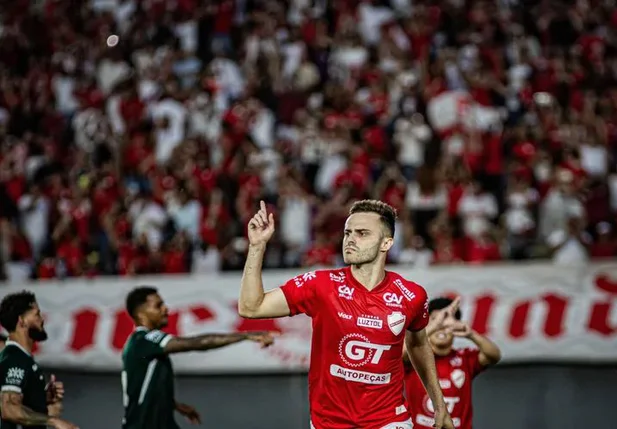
(10, 388)
(165, 340)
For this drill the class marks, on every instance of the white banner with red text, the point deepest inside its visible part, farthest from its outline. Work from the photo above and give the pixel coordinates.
(535, 313)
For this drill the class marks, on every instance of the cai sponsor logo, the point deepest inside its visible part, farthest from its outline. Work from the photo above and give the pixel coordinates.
(345, 292)
(406, 292)
(344, 315)
(392, 299)
(369, 322)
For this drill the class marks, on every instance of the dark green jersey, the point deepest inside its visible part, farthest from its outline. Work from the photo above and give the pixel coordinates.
(148, 382)
(20, 373)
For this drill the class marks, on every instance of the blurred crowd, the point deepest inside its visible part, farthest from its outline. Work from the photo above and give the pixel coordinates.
(137, 136)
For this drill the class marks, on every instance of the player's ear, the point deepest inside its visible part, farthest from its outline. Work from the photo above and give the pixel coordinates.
(386, 243)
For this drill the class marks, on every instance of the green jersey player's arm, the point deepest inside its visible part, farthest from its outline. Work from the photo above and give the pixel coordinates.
(13, 378)
(254, 303)
(158, 342)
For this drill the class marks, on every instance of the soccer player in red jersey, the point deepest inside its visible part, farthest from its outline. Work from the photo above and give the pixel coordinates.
(456, 368)
(361, 316)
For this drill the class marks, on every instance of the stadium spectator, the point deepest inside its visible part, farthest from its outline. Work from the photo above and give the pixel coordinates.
(136, 137)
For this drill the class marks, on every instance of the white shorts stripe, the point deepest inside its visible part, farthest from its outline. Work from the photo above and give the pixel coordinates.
(407, 424)
(11, 388)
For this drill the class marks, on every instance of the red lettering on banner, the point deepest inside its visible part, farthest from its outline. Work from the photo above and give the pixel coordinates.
(483, 310)
(202, 313)
(553, 324)
(84, 324)
(123, 327)
(598, 321)
(172, 324)
(604, 283)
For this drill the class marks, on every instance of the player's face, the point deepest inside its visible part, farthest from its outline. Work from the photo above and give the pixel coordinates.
(33, 322)
(441, 340)
(156, 311)
(364, 239)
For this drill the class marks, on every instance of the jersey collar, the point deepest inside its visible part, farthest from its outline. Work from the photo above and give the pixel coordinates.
(16, 344)
(141, 328)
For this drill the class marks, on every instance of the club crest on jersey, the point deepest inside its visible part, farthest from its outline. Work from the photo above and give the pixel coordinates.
(396, 322)
(458, 378)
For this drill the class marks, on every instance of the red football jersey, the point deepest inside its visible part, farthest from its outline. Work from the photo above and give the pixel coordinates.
(356, 373)
(456, 372)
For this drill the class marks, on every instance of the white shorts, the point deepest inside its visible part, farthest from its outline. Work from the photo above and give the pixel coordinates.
(407, 424)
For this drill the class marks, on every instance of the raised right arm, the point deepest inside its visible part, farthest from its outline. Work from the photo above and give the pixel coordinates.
(254, 303)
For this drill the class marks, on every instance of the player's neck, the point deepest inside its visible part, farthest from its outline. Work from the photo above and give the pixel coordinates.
(24, 341)
(368, 275)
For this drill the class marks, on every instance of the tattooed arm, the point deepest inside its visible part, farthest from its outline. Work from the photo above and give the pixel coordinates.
(214, 341)
(15, 411)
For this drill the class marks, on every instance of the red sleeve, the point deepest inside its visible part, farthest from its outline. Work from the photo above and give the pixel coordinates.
(419, 312)
(471, 359)
(301, 293)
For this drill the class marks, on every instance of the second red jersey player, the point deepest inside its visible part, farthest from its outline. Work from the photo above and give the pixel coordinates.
(456, 368)
(361, 316)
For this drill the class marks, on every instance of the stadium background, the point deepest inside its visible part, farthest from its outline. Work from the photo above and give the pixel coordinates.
(490, 125)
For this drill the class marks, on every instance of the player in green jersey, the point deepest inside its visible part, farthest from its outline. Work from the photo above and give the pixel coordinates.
(26, 400)
(147, 376)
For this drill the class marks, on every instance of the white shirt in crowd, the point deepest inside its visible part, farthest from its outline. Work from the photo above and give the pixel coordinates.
(571, 252)
(33, 217)
(476, 211)
(167, 139)
(148, 218)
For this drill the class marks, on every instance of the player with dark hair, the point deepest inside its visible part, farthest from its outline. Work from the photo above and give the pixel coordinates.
(26, 400)
(361, 314)
(147, 376)
(456, 368)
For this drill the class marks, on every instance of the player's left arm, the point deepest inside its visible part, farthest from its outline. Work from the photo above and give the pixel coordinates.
(420, 351)
(214, 341)
(489, 351)
(422, 358)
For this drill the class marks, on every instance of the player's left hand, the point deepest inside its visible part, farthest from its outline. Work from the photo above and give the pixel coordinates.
(443, 419)
(266, 339)
(54, 390)
(189, 412)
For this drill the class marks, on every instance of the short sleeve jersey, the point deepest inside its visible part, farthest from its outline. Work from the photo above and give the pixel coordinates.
(21, 374)
(356, 372)
(147, 381)
(456, 372)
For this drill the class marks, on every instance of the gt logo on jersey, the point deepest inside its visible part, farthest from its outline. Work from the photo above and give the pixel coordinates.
(356, 350)
(345, 292)
(393, 300)
(450, 401)
(344, 315)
